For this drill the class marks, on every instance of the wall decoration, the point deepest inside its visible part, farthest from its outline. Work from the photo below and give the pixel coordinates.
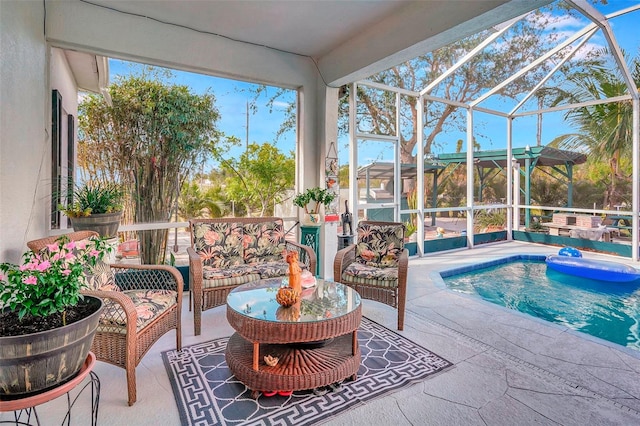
(331, 182)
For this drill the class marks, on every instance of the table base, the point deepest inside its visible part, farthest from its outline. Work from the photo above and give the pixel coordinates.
(298, 368)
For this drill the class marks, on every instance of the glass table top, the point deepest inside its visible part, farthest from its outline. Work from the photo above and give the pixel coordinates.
(325, 300)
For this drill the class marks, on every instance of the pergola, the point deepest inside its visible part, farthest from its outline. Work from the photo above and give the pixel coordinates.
(487, 164)
(490, 163)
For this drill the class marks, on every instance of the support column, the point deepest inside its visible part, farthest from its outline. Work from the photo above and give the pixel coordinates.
(328, 117)
(470, 178)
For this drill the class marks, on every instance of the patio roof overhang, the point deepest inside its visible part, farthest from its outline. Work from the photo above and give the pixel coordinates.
(346, 40)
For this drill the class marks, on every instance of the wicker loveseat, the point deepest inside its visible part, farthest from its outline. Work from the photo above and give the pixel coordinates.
(228, 252)
(141, 304)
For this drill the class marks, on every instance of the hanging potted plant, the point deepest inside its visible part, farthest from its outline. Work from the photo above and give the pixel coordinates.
(311, 200)
(96, 207)
(46, 325)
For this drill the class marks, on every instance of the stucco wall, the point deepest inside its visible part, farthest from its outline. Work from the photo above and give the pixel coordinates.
(24, 137)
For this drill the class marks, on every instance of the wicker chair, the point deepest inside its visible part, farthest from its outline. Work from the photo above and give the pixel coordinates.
(229, 262)
(123, 337)
(376, 266)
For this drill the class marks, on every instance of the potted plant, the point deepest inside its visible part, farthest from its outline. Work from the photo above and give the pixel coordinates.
(96, 207)
(311, 200)
(46, 325)
(410, 231)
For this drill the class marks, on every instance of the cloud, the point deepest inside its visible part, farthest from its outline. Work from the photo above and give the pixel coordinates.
(560, 22)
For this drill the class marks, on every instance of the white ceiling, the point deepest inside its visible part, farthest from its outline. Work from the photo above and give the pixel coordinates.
(348, 39)
(309, 28)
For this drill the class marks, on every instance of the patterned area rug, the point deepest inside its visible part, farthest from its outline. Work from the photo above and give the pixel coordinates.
(208, 394)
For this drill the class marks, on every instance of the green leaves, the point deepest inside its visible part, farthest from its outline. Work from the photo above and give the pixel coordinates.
(51, 280)
(313, 198)
(260, 178)
(151, 137)
(95, 198)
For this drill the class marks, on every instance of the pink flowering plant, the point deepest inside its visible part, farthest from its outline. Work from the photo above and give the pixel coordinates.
(49, 281)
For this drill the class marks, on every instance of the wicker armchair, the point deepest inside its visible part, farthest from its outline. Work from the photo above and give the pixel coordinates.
(376, 266)
(141, 304)
(228, 252)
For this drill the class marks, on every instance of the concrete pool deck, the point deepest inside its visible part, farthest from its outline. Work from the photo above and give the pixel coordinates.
(509, 368)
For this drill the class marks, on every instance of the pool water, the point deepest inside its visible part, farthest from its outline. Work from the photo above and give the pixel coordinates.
(607, 310)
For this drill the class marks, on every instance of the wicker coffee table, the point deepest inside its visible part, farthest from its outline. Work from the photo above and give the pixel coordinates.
(315, 340)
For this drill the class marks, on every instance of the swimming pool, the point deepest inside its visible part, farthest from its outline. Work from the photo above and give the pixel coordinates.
(607, 310)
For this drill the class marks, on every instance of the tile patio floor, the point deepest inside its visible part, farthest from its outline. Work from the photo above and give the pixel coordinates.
(510, 369)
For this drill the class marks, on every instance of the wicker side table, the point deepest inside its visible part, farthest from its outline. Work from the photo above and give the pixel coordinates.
(317, 348)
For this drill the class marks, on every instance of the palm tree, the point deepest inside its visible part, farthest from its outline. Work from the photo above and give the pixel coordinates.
(604, 130)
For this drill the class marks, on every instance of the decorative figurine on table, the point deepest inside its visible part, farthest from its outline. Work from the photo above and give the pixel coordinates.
(295, 272)
(346, 219)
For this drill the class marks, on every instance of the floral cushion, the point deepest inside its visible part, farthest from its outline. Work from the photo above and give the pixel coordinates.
(359, 273)
(379, 245)
(149, 305)
(218, 244)
(263, 242)
(101, 277)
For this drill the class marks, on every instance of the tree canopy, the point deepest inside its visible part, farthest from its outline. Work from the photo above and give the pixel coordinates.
(603, 130)
(149, 139)
(260, 178)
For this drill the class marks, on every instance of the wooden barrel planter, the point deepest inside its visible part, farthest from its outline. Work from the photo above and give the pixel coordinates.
(37, 362)
(105, 224)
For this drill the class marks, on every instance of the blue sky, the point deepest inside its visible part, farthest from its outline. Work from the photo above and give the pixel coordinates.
(232, 97)
(490, 131)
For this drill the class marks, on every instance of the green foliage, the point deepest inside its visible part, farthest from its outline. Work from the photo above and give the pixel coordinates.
(484, 218)
(412, 202)
(50, 281)
(260, 178)
(150, 139)
(548, 191)
(605, 130)
(343, 176)
(453, 192)
(194, 202)
(313, 198)
(191, 203)
(410, 228)
(536, 226)
(95, 198)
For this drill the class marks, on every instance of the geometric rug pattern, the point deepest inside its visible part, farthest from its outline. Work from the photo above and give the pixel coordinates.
(207, 393)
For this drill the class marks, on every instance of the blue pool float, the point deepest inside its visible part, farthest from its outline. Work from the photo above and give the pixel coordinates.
(570, 251)
(593, 269)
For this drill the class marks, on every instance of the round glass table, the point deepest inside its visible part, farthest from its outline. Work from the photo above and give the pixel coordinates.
(314, 341)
